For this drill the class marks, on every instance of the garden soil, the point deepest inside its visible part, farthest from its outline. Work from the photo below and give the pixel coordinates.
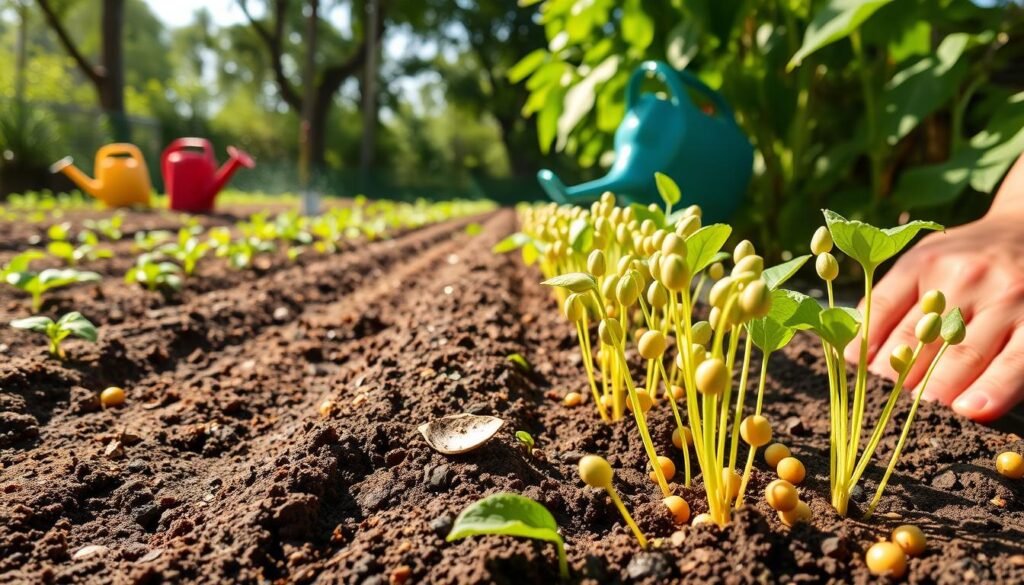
(221, 468)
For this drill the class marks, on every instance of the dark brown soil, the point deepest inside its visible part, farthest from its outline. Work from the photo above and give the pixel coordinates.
(220, 468)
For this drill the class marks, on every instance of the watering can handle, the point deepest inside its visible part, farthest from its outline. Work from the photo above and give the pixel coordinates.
(119, 148)
(183, 143)
(675, 80)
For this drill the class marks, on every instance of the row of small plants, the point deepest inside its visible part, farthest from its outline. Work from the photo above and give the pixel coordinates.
(667, 323)
(166, 259)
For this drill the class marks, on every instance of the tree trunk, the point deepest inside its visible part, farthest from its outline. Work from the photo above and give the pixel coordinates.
(111, 89)
(308, 163)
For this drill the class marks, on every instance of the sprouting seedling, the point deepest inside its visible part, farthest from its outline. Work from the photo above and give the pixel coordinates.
(154, 275)
(72, 323)
(39, 283)
(242, 251)
(88, 249)
(108, 227)
(519, 361)
(838, 327)
(510, 515)
(526, 440)
(597, 472)
(148, 241)
(188, 250)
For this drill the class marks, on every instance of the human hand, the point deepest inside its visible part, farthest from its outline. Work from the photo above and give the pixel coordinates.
(980, 268)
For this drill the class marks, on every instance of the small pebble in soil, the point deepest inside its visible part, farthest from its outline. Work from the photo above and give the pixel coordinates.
(647, 565)
(281, 314)
(442, 525)
(946, 480)
(835, 547)
(400, 575)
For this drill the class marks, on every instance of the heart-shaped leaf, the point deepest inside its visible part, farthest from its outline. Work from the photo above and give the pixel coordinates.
(868, 245)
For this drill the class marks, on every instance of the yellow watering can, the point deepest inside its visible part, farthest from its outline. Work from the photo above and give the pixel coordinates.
(121, 176)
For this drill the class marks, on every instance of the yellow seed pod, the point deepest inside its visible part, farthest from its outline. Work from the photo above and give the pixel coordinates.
(1010, 464)
(608, 287)
(791, 470)
(610, 332)
(558, 249)
(573, 399)
(721, 320)
(821, 241)
(624, 264)
(679, 509)
(731, 482)
(928, 328)
(677, 440)
(327, 408)
(910, 538)
(596, 264)
(612, 310)
(774, 453)
(608, 198)
(657, 295)
(693, 210)
(697, 355)
(647, 227)
(657, 238)
(742, 250)
(933, 301)
(644, 398)
(675, 274)
(749, 263)
(627, 292)
(573, 308)
(715, 318)
(668, 469)
(112, 396)
(673, 244)
(781, 495)
(688, 225)
(900, 358)
(654, 264)
(622, 234)
(756, 299)
(720, 292)
(886, 558)
(652, 345)
(756, 430)
(716, 271)
(596, 471)
(800, 514)
(827, 266)
(700, 332)
(701, 519)
(712, 376)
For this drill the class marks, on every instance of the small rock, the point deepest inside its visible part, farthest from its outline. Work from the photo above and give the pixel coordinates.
(946, 480)
(857, 493)
(114, 450)
(281, 314)
(678, 538)
(795, 426)
(151, 555)
(442, 525)
(437, 476)
(90, 551)
(647, 565)
(400, 575)
(834, 547)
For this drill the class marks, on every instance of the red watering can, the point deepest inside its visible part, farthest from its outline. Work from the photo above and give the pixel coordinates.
(191, 176)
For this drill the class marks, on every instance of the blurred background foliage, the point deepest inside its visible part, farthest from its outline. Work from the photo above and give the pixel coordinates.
(878, 109)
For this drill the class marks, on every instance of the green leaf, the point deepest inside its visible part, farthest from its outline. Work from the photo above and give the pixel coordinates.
(833, 22)
(769, 334)
(581, 235)
(795, 310)
(953, 327)
(61, 249)
(580, 98)
(868, 245)
(78, 325)
(474, 229)
(637, 25)
(777, 275)
(923, 87)
(22, 262)
(526, 439)
(37, 323)
(838, 326)
(642, 212)
(519, 361)
(704, 244)
(668, 189)
(513, 242)
(509, 515)
(577, 282)
(527, 65)
(58, 231)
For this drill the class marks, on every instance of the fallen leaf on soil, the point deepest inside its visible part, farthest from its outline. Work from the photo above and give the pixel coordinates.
(460, 433)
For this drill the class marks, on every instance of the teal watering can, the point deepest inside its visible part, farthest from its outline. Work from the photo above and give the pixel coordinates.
(706, 154)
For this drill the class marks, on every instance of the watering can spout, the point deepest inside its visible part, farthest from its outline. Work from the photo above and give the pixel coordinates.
(237, 159)
(85, 183)
(588, 191)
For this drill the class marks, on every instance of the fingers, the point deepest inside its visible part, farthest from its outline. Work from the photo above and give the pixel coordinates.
(962, 364)
(902, 333)
(891, 299)
(1000, 387)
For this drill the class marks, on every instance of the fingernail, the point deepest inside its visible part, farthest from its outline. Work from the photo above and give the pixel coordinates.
(970, 403)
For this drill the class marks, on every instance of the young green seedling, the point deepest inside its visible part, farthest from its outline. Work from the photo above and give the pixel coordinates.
(88, 249)
(596, 472)
(526, 440)
(155, 275)
(20, 275)
(838, 327)
(511, 515)
(149, 241)
(57, 331)
(187, 250)
(109, 228)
